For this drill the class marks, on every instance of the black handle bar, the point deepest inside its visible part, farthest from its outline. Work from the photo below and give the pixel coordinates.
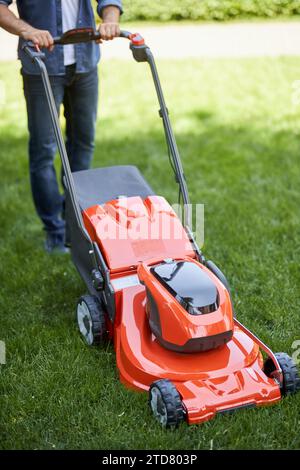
(80, 35)
(75, 36)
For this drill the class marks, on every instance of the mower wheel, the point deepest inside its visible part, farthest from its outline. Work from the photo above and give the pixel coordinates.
(291, 378)
(91, 319)
(165, 403)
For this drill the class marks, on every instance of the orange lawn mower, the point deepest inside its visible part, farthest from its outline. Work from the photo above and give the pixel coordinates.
(166, 308)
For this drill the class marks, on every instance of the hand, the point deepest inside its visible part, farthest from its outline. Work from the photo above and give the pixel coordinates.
(39, 38)
(108, 31)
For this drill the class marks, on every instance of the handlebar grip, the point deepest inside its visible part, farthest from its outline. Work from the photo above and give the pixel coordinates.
(80, 35)
(83, 35)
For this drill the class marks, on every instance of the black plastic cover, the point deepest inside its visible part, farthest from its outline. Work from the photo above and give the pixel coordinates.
(190, 285)
(100, 185)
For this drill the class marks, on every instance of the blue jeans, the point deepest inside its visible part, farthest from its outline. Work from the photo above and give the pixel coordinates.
(79, 95)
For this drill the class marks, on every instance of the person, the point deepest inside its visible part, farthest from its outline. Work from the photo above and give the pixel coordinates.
(74, 78)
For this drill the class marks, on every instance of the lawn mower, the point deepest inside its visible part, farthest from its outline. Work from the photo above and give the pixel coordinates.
(167, 309)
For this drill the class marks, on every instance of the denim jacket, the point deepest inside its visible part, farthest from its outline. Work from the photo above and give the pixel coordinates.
(48, 15)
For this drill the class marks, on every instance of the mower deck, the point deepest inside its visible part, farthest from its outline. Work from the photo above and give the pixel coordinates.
(219, 380)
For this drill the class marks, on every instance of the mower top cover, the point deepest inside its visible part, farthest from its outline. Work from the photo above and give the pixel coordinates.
(188, 308)
(190, 285)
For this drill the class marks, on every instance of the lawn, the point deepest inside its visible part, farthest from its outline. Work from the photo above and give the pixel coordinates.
(239, 136)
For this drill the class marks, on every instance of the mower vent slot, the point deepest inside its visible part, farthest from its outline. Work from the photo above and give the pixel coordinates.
(237, 408)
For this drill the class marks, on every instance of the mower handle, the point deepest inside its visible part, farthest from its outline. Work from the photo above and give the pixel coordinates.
(81, 35)
(141, 53)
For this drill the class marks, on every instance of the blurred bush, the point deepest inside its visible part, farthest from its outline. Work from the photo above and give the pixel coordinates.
(221, 10)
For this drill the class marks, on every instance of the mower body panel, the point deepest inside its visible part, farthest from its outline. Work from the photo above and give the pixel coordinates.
(134, 234)
(223, 379)
(175, 327)
(131, 230)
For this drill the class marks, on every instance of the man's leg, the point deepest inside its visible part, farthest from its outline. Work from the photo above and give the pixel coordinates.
(81, 104)
(42, 149)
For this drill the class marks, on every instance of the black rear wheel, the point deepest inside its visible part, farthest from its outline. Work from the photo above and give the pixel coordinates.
(165, 403)
(91, 319)
(291, 378)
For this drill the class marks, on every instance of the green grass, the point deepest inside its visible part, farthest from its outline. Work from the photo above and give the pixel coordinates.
(239, 137)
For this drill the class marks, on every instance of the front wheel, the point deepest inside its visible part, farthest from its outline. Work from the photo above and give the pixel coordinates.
(165, 403)
(290, 373)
